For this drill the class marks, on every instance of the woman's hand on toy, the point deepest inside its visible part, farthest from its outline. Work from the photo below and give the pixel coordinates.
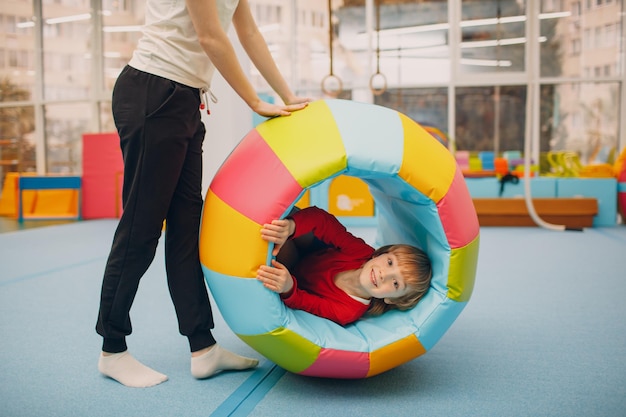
(275, 278)
(278, 232)
(266, 109)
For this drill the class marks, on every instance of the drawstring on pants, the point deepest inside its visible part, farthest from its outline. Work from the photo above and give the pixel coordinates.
(204, 102)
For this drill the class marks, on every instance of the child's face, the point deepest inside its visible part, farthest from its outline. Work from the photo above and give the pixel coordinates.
(381, 277)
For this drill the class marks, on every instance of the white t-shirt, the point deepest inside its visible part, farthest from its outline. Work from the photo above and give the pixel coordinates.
(169, 46)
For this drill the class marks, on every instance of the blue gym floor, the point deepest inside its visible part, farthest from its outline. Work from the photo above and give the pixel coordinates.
(543, 335)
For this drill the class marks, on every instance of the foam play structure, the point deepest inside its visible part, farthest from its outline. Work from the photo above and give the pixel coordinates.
(28, 196)
(103, 176)
(62, 200)
(420, 197)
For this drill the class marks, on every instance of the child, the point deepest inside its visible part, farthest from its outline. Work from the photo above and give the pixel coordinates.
(336, 275)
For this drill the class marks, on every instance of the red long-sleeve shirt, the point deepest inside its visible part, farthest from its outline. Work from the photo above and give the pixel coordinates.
(314, 288)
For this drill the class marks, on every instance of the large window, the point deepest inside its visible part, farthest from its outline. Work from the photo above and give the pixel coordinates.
(581, 44)
(17, 82)
(66, 51)
(493, 36)
(121, 29)
(489, 118)
(17, 144)
(65, 124)
(581, 117)
(465, 67)
(427, 106)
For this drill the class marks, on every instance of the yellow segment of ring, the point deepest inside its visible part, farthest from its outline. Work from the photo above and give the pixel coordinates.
(423, 154)
(223, 250)
(318, 138)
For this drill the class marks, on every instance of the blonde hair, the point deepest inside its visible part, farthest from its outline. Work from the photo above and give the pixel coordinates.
(415, 267)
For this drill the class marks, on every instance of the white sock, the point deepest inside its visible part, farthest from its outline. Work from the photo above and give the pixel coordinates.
(218, 359)
(128, 371)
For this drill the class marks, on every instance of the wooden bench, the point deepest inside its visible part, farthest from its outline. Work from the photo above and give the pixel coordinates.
(570, 212)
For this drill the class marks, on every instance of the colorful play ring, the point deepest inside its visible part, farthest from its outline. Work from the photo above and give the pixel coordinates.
(421, 199)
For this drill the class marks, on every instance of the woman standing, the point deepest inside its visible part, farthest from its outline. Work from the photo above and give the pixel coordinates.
(156, 102)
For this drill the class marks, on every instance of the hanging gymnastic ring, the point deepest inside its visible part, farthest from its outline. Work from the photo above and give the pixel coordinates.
(381, 90)
(329, 92)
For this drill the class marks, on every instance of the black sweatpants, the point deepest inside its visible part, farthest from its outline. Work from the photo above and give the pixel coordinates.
(161, 137)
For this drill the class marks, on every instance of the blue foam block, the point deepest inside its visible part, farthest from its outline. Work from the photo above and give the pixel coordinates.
(602, 189)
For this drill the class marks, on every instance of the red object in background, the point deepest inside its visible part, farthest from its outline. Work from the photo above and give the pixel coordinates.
(103, 175)
(501, 166)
